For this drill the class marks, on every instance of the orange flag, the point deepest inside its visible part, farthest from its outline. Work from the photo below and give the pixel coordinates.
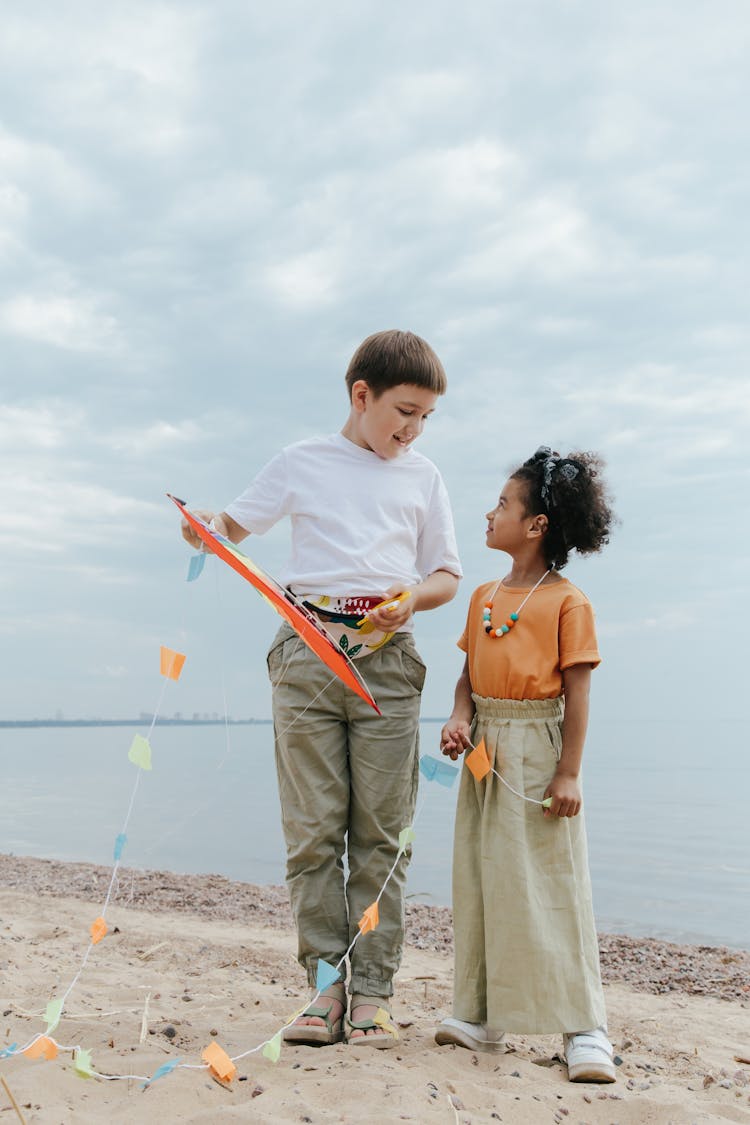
(478, 762)
(98, 930)
(370, 919)
(219, 1062)
(171, 663)
(42, 1046)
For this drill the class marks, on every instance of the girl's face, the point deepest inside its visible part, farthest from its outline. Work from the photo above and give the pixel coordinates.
(508, 522)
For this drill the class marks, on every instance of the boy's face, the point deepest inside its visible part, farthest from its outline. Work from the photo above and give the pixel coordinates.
(389, 423)
(508, 522)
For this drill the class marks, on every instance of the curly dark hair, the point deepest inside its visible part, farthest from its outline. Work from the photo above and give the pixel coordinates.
(571, 493)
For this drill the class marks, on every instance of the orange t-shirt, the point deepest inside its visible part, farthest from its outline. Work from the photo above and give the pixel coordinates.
(554, 631)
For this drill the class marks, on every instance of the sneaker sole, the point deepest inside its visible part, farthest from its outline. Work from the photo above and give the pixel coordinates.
(592, 1072)
(457, 1038)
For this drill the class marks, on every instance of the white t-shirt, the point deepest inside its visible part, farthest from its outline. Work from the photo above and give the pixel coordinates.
(359, 522)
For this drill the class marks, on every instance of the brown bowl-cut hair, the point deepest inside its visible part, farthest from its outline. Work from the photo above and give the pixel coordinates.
(388, 359)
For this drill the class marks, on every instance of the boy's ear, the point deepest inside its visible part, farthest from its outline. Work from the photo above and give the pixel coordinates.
(360, 393)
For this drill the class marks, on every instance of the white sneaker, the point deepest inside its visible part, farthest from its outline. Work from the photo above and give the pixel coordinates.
(589, 1056)
(474, 1036)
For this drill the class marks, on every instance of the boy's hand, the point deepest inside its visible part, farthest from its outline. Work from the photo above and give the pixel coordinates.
(389, 617)
(455, 737)
(192, 537)
(566, 796)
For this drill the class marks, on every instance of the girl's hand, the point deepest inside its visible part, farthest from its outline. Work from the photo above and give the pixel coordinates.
(455, 737)
(566, 796)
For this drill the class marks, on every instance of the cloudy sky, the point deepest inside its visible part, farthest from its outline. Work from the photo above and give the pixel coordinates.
(205, 207)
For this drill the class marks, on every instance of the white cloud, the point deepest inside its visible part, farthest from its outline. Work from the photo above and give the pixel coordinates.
(36, 168)
(153, 438)
(305, 281)
(623, 123)
(225, 201)
(670, 392)
(75, 323)
(127, 75)
(28, 428)
(51, 515)
(388, 114)
(673, 619)
(548, 237)
(563, 326)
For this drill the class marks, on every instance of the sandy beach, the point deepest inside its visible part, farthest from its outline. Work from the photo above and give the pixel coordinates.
(189, 959)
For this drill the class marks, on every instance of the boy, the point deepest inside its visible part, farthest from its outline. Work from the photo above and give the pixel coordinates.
(370, 521)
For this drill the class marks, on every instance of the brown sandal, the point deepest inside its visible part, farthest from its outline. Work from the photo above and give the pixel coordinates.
(382, 1022)
(313, 1035)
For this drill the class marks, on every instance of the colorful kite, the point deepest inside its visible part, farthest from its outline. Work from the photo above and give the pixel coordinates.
(302, 620)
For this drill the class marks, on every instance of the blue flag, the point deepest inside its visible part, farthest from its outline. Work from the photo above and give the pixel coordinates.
(435, 770)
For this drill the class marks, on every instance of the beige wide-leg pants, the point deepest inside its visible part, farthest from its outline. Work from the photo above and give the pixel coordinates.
(526, 952)
(347, 786)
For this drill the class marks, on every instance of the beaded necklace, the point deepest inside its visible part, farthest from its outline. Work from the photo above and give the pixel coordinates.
(510, 622)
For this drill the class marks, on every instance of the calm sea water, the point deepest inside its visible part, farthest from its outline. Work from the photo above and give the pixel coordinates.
(666, 811)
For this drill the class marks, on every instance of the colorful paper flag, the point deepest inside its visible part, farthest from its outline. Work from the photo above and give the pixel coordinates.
(325, 975)
(52, 1015)
(219, 1062)
(195, 568)
(477, 761)
(140, 752)
(435, 770)
(165, 1068)
(120, 843)
(9, 1051)
(272, 1049)
(82, 1063)
(406, 836)
(42, 1047)
(171, 662)
(383, 1019)
(370, 919)
(97, 930)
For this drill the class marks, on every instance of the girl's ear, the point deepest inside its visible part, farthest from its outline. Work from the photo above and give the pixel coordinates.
(538, 526)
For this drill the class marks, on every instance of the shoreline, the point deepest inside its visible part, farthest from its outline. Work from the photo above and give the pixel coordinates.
(648, 965)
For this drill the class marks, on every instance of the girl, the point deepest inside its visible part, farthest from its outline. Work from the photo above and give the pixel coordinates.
(526, 953)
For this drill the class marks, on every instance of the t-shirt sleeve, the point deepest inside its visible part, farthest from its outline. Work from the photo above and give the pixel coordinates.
(436, 546)
(266, 500)
(577, 637)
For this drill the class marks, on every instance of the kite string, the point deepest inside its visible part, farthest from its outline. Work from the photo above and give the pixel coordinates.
(116, 863)
(358, 935)
(147, 1079)
(499, 776)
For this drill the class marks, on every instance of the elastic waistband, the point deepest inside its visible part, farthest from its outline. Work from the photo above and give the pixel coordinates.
(518, 708)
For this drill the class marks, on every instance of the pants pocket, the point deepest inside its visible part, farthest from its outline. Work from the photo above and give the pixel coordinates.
(413, 668)
(278, 653)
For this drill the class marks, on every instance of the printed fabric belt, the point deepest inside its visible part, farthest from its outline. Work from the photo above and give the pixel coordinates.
(345, 622)
(342, 609)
